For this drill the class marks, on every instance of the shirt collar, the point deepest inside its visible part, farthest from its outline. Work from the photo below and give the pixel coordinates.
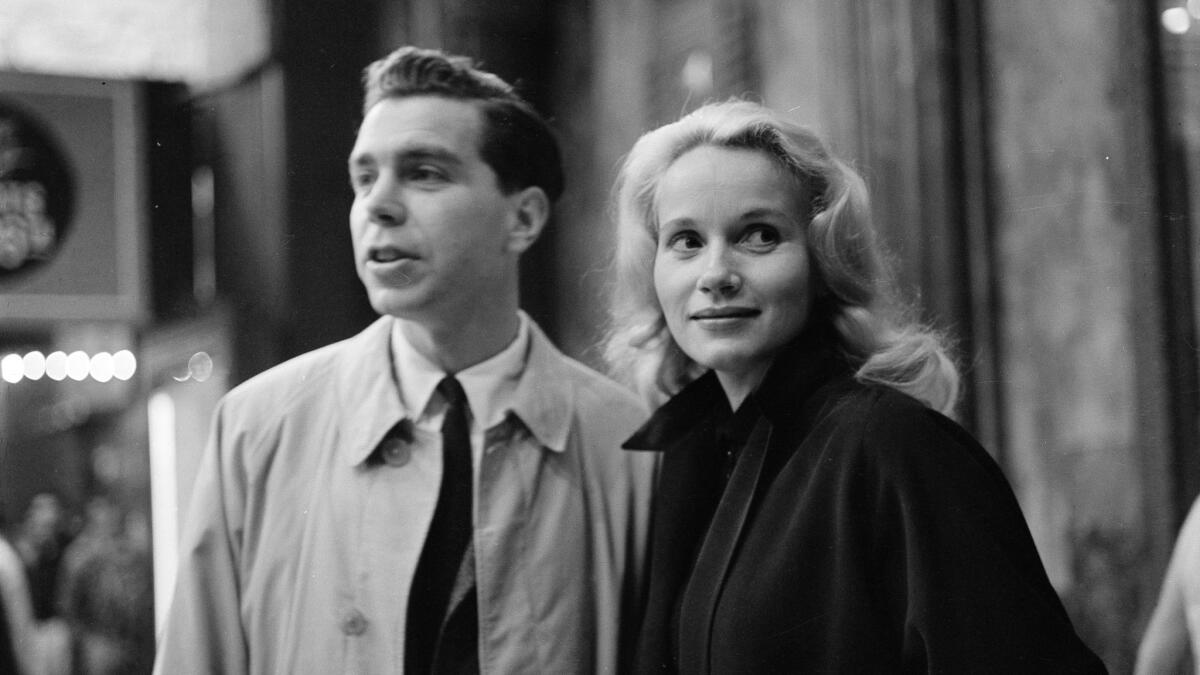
(368, 392)
(489, 385)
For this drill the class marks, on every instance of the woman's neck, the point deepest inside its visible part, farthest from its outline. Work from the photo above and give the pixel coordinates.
(738, 386)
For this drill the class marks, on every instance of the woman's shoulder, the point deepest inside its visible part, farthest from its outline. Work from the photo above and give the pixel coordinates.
(896, 434)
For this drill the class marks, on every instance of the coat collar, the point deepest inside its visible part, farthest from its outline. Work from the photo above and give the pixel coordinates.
(799, 370)
(369, 398)
(691, 568)
(544, 399)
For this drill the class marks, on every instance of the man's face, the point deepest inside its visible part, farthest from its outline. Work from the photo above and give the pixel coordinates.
(429, 221)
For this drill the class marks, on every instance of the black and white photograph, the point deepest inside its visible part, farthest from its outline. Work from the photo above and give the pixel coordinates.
(536, 337)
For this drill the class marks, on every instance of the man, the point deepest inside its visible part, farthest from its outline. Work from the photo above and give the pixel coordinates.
(335, 528)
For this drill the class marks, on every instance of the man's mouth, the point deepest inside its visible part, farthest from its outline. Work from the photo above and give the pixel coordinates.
(388, 254)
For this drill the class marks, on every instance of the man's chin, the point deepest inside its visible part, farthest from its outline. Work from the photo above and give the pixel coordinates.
(402, 304)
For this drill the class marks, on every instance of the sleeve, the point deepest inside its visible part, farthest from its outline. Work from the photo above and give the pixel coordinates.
(1165, 643)
(966, 583)
(203, 632)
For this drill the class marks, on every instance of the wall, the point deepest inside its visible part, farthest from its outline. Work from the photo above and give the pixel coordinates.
(1081, 317)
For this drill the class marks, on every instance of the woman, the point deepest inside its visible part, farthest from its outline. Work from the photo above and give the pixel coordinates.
(816, 512)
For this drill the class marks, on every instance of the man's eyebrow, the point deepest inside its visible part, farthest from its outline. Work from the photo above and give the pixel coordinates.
(409, 154)
(429, 152)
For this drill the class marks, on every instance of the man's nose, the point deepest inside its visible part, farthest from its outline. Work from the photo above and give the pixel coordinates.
(384, 204)
(720, 276)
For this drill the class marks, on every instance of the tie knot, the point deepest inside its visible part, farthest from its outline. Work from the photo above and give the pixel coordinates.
(452, 391)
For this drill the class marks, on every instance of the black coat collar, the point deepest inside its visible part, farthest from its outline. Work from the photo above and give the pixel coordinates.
(799, 370)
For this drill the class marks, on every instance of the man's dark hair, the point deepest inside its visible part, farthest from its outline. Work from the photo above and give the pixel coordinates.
(516, 142)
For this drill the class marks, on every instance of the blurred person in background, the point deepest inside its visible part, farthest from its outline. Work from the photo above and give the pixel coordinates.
(444, 492)
(17, 624)
(100, 530)
(41, 539)
(817, 510)
(1173, 633)
(107, 596)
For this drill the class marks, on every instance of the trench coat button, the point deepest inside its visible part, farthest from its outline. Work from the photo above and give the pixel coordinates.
(353, 622)
(395, 451)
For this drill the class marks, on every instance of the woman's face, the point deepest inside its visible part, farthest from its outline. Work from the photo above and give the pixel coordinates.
(731, 269)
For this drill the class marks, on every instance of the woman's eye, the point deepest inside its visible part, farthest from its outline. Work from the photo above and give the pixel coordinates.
(761, 237)
(684, 242)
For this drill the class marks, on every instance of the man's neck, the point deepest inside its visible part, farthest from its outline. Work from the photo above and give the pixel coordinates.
(461, 345)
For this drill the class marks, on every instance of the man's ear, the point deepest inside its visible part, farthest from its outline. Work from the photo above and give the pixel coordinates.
(532, 213)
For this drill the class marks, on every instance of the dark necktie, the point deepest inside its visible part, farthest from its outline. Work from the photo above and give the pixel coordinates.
(441, 629)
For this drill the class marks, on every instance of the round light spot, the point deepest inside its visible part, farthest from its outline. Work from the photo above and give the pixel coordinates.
(12, 368)
(200, 366)
(101, 367)
(56, 366)
(78, 364)
(124, 364)
(1176, 20)
(34, 365)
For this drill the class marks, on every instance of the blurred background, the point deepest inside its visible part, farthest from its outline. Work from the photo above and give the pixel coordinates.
(173, 220)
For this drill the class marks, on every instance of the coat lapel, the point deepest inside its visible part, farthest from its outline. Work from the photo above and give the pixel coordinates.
(712, 564)
(683, 430)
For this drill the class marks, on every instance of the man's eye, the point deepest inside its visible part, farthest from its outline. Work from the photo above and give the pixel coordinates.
(359, 181)
(426, 174)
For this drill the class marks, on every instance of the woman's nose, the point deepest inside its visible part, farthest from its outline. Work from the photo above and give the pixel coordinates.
(720, 277)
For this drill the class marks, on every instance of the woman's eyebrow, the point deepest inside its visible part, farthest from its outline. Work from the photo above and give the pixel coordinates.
(763, 212)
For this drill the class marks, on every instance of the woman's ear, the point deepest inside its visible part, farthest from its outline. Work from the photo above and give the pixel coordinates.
(531, 212)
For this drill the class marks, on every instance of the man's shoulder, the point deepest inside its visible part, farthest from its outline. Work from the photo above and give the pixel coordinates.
(299, 373)
(313, 373)
(591, 390)
(597, 388)
(604, 414)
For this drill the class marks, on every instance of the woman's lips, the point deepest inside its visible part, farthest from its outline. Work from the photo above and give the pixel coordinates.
(724, 313)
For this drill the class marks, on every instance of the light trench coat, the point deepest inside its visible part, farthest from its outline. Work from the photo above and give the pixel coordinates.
(287, 562)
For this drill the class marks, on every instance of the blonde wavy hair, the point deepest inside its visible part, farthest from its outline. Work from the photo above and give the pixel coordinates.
(855, 289)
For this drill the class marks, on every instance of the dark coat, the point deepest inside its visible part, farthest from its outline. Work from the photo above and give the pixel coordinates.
(859, 532)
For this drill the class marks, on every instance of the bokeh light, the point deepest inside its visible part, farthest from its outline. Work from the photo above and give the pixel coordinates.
(78, 364)
(124, 364)
(101, 367)
(56, 366)
(34, 365)
(12, 368)
(200, 366)
(1176, 20)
